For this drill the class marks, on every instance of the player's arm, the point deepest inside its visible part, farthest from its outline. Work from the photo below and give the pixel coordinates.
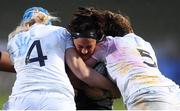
(5, 63)
(99, 67)
(91, 92)
(96, 93)
(87, 74)
(91, 62)
(77, 83)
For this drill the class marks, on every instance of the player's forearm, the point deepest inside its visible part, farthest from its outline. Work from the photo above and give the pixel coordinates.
(101, 68)
(86, 74)
(77, 83)
(5, 64)
(98, 80)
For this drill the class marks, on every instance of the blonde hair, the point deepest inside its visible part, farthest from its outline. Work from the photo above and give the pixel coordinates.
(37, 17)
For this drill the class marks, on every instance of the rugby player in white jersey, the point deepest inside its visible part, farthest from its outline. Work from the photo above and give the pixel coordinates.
(37, 51)
(132, 65)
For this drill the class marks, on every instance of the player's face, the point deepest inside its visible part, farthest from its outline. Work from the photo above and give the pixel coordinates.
(85, 46)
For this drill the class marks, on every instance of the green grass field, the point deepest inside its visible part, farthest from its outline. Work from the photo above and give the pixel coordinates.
(118, 105)
(3, 99)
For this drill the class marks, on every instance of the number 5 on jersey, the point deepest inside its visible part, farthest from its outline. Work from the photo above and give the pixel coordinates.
(40, 57)
(144, 53)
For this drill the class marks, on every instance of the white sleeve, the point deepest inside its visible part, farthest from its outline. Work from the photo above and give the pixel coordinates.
(67, 38)
(100, 52)
(69, 43)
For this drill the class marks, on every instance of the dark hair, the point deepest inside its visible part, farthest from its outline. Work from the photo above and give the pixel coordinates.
(116, 24)
(87, 23)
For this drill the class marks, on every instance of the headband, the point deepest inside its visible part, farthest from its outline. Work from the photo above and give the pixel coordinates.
(30, 11)
(87, 34)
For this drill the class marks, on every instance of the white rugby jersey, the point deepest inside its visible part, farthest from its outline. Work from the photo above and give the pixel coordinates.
(131, 63)
(38, 57)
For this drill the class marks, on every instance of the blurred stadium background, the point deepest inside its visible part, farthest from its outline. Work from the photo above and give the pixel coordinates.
(157, 21)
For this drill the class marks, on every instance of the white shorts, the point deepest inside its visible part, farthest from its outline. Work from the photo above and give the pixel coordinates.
(155, 98)
(40, 100)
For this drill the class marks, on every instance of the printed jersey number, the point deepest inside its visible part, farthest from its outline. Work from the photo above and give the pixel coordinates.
(40, 57)
(144, 53)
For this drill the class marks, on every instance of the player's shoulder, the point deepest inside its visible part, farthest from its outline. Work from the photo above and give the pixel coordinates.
(133, 36)
(17, 37)
(56, 27)
(130, 39)
(60, 30)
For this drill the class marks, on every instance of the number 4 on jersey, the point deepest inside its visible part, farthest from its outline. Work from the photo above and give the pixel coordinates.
(40, 57)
